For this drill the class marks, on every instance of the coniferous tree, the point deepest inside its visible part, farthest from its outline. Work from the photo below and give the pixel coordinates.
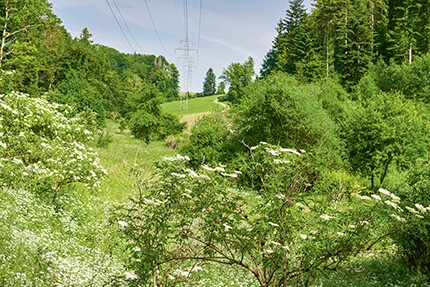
(296, 15)
(209, 85)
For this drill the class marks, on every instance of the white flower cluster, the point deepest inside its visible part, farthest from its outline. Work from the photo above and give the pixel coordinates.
(42, 144)
(36, 238)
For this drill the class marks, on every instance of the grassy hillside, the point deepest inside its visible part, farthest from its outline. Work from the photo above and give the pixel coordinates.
(195, 105)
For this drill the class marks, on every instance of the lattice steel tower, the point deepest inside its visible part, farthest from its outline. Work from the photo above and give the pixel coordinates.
(187, 69)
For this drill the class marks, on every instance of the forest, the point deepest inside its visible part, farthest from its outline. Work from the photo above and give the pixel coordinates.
(313, 172)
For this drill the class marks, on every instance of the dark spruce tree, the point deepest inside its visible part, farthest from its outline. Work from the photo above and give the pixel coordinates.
(209, 85)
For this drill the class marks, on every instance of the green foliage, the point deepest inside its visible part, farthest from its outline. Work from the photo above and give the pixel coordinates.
(146, 119)
(343, 37)
(238, 76)
(79, 94)
(385, 130)
(221, 88)
(280, 232)
(414, 240)
(212, 140)
(42, 146)
(281, 110)
(409, 79)
(209, 85)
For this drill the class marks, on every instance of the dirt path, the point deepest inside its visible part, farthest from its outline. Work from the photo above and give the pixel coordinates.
(191, 119)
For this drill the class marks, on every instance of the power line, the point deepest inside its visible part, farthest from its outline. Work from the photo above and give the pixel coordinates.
(128, 28)
(200, 28)
(155, 28)
(120, 27)
(186, 17)
(200, 24)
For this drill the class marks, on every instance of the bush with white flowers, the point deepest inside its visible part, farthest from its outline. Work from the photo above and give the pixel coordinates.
(42, 146)
(264, 217)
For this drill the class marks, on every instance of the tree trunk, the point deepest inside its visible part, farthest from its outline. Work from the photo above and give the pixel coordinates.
(4, 36)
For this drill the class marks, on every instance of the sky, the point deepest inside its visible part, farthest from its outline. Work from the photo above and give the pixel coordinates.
(230, 30)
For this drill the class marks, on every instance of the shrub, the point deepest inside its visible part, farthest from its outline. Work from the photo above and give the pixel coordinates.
(42, 146)
(212, 140)
(280, 110)
(281, 231)
(415, 239)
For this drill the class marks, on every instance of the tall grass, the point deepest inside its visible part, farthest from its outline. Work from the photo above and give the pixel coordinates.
(121, 156)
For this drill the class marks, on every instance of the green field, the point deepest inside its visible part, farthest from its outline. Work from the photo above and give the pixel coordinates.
(195, 105)
(124, 153)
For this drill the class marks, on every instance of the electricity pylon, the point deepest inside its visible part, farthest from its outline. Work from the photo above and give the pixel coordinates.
(187, 69)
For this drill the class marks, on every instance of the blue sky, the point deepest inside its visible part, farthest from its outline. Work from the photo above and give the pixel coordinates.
(231, 31)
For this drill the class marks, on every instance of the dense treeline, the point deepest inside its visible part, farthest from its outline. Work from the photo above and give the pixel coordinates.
(344, 38)
(39, 56)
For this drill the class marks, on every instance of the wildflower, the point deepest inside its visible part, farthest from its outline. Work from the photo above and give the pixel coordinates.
(326, 217)
(3, 145)
(280, 196)
(206, 167)
(263, 143)
(233, 175)
(419, 216)
(398, 218)
(340, 234)
(178, 175)
(268, 251)
(273, 224)
(411, 210)
(122, 223)
(392, 204)
(275, 243)
(192, 173)
(227, 227)
(178, 156)
(272, 152)
(377, 197)
(364, 197)
(17, 161)
(130, 275)
(421, 208)
(303, 236)
(220, 169)
(253, 148)
(384, 191)
(395, 198)
(290, 150)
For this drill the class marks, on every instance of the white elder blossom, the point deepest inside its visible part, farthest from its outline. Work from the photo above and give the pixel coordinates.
(398, 218)
(326, 217)
(421, 208)
(411, 210)
(290, 150)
